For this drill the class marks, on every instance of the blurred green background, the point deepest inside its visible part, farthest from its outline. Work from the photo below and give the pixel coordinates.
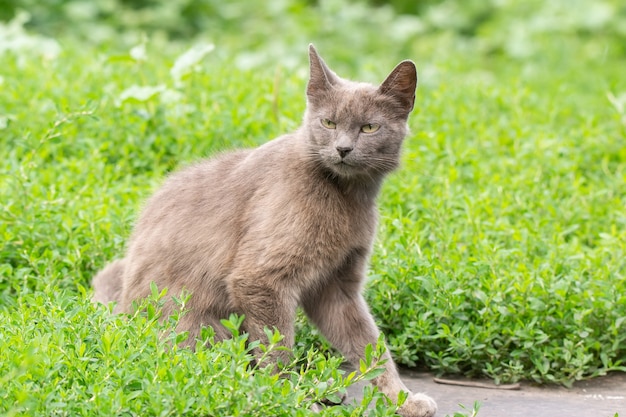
(259, 33)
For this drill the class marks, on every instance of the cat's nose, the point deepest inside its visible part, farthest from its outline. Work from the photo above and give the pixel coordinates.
(344, 150)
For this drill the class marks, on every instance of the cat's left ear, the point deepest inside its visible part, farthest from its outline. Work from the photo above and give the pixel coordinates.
(401, 84)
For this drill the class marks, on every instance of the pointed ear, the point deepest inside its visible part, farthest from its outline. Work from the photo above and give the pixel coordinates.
(321, 78)
(401, 84)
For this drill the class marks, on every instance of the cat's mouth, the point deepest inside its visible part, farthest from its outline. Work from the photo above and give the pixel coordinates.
(342, 163)
(342, 166)
(345, 167)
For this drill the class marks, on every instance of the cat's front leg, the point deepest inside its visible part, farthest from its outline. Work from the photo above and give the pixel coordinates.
(341, 314)
(265, 306)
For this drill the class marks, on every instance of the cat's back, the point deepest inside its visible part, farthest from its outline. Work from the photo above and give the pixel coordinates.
(194, 190)
(212, 199)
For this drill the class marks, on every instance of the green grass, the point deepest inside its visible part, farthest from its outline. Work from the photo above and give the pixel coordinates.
(65, 356)
(502, 242)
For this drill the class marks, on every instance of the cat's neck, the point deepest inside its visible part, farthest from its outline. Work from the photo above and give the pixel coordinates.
(361, 190)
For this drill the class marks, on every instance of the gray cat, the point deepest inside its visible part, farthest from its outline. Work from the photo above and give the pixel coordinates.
(259, 232)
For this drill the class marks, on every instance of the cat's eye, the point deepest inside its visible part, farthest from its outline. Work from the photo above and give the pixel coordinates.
(370, 128)
(329, 124)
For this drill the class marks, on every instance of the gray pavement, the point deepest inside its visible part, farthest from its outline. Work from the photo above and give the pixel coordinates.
(598, 397)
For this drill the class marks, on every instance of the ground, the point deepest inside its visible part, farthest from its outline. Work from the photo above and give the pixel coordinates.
(598, 397)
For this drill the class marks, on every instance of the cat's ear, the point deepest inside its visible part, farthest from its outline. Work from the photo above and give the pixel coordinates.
(401, 84)
(322, 78)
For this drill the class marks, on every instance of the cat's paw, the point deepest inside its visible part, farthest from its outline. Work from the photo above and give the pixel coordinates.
(418, 405)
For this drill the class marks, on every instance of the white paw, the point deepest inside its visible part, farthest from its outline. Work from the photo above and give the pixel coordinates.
(418, 405)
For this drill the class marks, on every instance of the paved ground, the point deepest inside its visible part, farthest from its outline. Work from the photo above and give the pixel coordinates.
(599, 397)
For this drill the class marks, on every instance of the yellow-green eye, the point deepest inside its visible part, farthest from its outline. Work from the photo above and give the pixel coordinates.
(370, 128)
(328, 124)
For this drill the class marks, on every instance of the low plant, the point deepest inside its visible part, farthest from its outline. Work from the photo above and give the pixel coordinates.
(66, 356)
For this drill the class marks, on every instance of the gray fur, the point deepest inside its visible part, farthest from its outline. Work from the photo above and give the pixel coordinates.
(291, 223)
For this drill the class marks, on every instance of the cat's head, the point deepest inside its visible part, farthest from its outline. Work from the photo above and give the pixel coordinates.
(355, 130)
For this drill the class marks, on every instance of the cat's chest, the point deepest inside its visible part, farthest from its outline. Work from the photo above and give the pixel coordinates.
(344, 218)
(314, 227)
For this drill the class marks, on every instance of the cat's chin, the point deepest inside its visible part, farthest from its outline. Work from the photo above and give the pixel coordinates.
(349, 171)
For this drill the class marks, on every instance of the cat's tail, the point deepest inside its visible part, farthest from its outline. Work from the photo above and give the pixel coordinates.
(107, 284)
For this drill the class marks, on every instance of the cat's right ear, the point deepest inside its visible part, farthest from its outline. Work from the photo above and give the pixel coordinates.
(321, 78)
